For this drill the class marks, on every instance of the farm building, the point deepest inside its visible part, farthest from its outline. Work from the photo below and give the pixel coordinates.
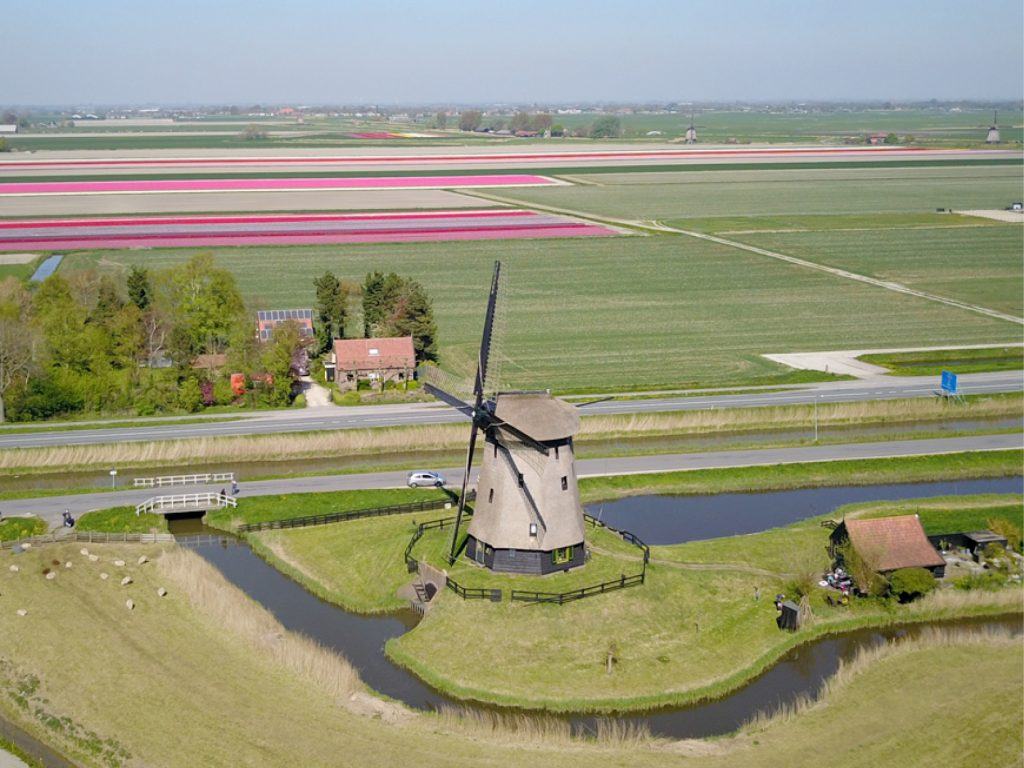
(8, 128)
(268, 319)
(888, 544)
(379, 360)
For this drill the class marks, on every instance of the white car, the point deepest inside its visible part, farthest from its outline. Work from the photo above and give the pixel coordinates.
(425, 478)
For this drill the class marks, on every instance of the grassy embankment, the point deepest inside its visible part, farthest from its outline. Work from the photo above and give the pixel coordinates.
(282, 701)
(598, 436)
(617, 314)
(694, 631)
(121, 520)
(956, 360)
(12, 528)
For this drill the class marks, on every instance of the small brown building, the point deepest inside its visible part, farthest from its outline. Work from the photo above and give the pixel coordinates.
(378, 360)
(889, 543)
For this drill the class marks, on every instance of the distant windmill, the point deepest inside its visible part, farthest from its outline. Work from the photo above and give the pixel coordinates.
(993, 131)
(527, 517)
(691, 132)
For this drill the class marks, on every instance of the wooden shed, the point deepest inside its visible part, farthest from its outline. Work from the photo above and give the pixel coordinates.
(889, 543)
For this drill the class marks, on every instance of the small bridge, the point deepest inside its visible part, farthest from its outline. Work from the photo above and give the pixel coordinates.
(186, 502)
(160, 482)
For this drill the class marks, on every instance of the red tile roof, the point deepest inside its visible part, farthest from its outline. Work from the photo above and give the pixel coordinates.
(889, 543)
(370, 354)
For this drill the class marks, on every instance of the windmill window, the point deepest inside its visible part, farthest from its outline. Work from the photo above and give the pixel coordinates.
(565, 483)
(495, 450)
(490, 496)
(533, 529)
(561, 555)
(556, 453)
(521, 483)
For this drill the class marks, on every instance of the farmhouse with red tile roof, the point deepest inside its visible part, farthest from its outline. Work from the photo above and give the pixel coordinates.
(379, 359)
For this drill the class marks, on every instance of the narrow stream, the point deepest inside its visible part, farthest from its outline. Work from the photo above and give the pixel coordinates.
(800, 672)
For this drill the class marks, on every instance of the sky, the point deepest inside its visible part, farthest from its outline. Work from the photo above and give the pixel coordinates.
(525, 51)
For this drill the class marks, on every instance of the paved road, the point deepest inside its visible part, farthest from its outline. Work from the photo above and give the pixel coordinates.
(308, 420)
(50, 508)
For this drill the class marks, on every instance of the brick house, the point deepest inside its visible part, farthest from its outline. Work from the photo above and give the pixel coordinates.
(378, 360)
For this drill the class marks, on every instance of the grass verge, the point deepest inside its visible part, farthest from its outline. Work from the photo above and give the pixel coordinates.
(449, 437)
(121, 520)
(956, 360)
(12, 528)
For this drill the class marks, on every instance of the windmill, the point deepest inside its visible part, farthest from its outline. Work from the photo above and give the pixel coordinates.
(993, 131)
(527, 516)
(691, 132)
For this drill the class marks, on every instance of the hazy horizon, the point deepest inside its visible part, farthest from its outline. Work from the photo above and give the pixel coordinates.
(403, 53)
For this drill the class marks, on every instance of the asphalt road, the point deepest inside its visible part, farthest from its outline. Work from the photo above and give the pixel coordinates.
(50, 508)
(314, 419)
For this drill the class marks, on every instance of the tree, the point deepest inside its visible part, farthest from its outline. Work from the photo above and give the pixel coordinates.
(414, 316)
(330, 309)
(520, 121)
(607, 127)
(254, 133)
(380, 294)
(441, 120)
(542, 122)
(277, 358)
(18, 351)
(203, 306)
(61, 320)
(891, 138)
(470, 119)
(139, 290)
(558, 129)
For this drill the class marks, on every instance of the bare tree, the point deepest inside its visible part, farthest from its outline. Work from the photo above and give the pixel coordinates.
(18, 350)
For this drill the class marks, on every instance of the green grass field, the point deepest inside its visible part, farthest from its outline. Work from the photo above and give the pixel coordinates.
(978, 265)
(630, 312)
(957, 360)
(674, 197)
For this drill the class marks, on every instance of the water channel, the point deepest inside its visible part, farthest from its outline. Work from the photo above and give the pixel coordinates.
(658, 520)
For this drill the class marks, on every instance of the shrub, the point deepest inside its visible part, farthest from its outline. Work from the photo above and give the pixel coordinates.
(866, 579)
(299, 401)
(989, 581)
(910, 583)
(346, 398)
(1006, 528)
(190, 396)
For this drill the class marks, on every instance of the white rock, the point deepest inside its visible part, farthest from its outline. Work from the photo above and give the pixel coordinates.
(51, 575)
(119, 563)
(67, 564)
(143, 559)
(93, 558)
(126, 581)
(84, 551)
(162, 592)
(22, 612)
(14, 569)
(103, 576)
(130, 604)
(27, 545)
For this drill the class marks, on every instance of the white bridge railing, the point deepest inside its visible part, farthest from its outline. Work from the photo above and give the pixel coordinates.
(160, 482)
(185, 502)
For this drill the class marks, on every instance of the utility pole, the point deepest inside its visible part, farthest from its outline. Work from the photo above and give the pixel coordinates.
(816, 418)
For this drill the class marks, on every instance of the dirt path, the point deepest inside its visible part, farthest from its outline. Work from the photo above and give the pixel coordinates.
(317, 396)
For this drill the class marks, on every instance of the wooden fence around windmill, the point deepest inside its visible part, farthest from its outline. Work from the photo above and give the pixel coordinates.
(531, 596)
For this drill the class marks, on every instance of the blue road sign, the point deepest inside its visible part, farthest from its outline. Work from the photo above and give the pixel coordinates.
(949, 382)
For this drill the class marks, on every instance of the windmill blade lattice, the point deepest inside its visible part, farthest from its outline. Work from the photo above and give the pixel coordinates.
(495, 352)
(457, 386)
